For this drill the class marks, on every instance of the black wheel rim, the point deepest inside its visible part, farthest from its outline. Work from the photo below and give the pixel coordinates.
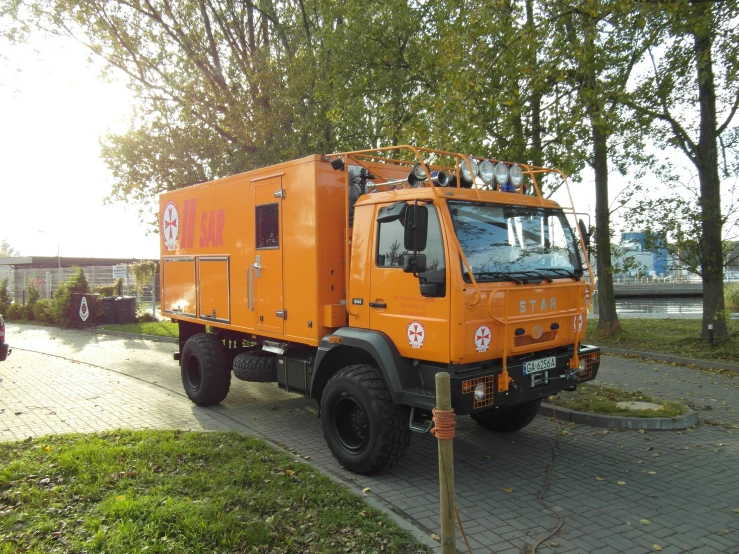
(193, 372)
(351, 424)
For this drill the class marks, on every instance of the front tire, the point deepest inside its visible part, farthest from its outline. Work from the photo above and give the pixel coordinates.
(366, 432)
(507, 420)
(204, 368)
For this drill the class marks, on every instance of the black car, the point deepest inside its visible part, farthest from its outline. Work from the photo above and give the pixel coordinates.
(4, 349)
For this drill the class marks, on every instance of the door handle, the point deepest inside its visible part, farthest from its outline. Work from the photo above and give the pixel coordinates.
(377, 305)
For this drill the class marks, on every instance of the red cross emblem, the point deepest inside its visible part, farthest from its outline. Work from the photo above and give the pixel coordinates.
(170, 225)
(483, 336)
(416, 334)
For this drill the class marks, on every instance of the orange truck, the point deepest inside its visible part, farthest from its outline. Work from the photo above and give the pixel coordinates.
(354, 278)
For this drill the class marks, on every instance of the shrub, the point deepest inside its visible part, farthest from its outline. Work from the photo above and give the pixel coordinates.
(731, 292)
(33, 296)
(110, 290)
(42, 311)
(63, 297)
(145, 317)
(14, 311)
(5, 298)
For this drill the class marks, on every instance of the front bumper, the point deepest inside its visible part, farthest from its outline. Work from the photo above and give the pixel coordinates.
(523, 387)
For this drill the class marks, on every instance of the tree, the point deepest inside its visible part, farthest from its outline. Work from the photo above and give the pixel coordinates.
(7, 251)
(687, 101)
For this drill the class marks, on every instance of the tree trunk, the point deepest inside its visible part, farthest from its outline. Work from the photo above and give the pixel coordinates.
(710, 182)
(607, 315)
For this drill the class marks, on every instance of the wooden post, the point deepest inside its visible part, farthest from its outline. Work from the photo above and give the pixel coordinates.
(446, 470)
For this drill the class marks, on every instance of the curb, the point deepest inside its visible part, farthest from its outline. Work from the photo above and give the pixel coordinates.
(620, 422)
(156, 338)
(708, 364)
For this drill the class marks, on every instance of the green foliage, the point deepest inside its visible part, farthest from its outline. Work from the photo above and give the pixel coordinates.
(14, 312)
(144, 272)
(109, 290)
(145, 317)
(732, 296)
(5, 296)
(7, 251)
(42, 311)
(77, 283)
(32, 296)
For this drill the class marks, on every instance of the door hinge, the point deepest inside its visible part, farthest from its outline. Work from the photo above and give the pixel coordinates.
(280, 193)
(281, 313)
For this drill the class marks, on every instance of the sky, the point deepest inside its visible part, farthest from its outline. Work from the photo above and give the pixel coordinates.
(53, 109)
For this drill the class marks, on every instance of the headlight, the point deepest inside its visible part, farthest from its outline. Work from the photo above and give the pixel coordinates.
(501, 173)
(486, 171)
(480, 392)
(419, 172)
(516, 174)
(464, 167)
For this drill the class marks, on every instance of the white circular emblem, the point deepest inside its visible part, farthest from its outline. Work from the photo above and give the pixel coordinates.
(577, 323)
(537, 332)
(84, 311)
(416, 334)
(483, 335)
(170, 225)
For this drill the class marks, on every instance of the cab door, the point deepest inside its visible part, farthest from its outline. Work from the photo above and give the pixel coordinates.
(417, 323)
(266, 271)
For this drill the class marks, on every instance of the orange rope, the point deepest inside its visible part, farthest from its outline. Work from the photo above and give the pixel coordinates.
(444, 423)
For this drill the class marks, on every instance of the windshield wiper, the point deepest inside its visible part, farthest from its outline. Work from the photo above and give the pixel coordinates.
(509, 275)
(495, 275)
(561, 271)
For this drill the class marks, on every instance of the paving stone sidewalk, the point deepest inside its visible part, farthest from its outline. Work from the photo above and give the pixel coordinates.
(602, 482)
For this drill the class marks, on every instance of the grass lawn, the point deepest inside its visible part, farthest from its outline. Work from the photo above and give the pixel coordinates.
(602, 400)
(158, 328)
(680, 337)
(170, 491)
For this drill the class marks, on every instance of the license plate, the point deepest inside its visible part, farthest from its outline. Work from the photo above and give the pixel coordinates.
(539, 365)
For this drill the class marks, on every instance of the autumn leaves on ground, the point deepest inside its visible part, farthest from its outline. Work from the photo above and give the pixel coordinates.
(163, 491)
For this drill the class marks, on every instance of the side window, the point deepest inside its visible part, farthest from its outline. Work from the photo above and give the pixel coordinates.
(390, 244)
(268, 226)
(390, 250)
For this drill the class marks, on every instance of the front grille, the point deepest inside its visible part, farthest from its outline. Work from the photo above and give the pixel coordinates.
(591, 359)
(468, 387)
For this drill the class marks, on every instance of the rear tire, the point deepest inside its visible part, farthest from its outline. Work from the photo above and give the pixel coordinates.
(204, 368)
(507, 420)
(256, 367)
(366, 432)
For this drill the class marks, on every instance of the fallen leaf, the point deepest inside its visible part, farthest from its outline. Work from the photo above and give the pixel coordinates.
(435, 537)
(508, 490)
(366, 490)
(735, 510)
(120, 498)
(645, 522)
(554, 544)
(657, 547)
(621, 482)
(599, 479)
(652, 472)
(47, 448)
(289, 472)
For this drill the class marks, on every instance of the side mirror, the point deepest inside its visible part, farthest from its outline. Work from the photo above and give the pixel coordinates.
(584, 232)
(414, 263)
(416, 228)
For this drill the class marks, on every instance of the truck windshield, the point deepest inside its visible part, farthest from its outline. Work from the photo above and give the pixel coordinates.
(515, 243)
